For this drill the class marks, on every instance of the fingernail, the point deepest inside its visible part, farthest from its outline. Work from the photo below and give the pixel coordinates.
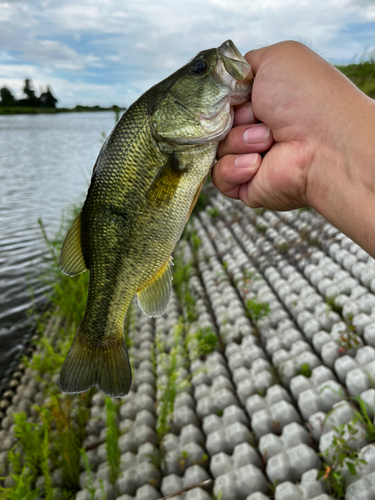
(246, 161)
(256, 134)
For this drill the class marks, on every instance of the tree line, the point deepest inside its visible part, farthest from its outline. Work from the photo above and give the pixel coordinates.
(45, 100)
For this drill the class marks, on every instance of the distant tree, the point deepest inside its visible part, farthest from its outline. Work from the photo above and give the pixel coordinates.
(7, 98)
(47, 99)
(32, 99)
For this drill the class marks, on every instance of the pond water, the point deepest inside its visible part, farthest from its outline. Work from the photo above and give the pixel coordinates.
(45, 166)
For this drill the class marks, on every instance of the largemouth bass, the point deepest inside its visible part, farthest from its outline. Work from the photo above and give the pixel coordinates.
(144, 185)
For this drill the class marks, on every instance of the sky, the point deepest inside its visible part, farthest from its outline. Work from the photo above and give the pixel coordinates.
(110, 51)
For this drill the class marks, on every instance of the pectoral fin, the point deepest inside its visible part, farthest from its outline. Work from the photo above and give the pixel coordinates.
(153, 298)
(166, 181)
(71, 260)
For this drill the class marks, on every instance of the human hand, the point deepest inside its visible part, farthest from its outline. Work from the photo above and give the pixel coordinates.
(314, 115)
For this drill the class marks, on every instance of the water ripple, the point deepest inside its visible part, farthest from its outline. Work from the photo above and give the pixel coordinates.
(45, 161)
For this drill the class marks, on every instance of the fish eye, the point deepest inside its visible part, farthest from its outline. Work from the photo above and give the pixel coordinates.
(198, 67)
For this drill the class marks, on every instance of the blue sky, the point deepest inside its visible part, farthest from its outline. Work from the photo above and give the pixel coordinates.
(111, 51)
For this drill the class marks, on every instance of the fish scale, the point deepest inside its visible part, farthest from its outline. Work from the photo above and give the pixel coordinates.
(145, 183)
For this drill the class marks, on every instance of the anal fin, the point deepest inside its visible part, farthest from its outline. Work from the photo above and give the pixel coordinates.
(153, 298)
(71, 260)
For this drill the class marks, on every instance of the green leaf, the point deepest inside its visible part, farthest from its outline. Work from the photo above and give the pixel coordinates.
(351, 468)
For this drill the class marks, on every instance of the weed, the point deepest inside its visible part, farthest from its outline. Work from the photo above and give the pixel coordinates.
(213, 212)
(196, 241)
(111, 438)
(305, 370)
(363, 414)
(283, 247)
(261, 228)
(219, 412)
(181, 275)
(340, 457)
(201, 204)
(204, 342)
(182, 460)
(259, 211)
(69, 415)
(304, 209)
(31, 438)
(348, 339)
(24, 487)
(330, 301)
(173, 385)
(89, 484)
(256, 310)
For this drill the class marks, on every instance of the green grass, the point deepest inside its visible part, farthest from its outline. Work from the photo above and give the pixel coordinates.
(362, 74)
(213, 212)
(305, 370)
(201, 343)
(181, 274)
(340, 457)
(24, 487)
(170, 362)
(56, 440)
(256, 310)
(111, 438)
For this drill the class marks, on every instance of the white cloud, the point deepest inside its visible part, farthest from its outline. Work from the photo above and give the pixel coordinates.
(141, 41)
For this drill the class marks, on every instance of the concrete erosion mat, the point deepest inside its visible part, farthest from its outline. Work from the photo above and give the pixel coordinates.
(289, 385)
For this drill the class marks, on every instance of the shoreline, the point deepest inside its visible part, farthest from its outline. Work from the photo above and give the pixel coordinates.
(21, 110)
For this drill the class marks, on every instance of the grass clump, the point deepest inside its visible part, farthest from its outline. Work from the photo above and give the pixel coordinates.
(34, 451)
(202, 342)
(24, 486)
(111, 439)
(181, 274)
(69, 416)
(339, 458)
(331, 303)
(364, 414)
(349, 338)
(213, 212)
(305, 370)
(173, 384)
(256, 310)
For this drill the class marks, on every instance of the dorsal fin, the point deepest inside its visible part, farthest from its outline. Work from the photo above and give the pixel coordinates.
(153, 298)
(71, 260)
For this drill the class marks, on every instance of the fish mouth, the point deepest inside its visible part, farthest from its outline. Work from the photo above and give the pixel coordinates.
(234, 63)
(234, 71)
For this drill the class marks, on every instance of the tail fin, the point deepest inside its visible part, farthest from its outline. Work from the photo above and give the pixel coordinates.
(106, 367)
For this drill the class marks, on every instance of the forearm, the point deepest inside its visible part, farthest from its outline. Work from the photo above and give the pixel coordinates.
(342, 189)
